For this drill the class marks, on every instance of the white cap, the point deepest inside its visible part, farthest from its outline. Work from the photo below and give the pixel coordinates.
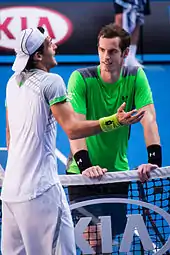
(29, 41)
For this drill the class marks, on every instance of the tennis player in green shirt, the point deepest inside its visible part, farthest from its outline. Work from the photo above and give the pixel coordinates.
(99, 91)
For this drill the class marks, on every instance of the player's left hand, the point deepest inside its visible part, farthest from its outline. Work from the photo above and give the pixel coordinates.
(94, 172)
(144, 171)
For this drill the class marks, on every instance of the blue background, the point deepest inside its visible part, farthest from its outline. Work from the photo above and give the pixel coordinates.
(158, 76)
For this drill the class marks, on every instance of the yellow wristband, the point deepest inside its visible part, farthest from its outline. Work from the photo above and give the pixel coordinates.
(110, 123)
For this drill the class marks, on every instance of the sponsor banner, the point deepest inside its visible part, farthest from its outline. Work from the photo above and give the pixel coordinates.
(16, 18)
(75, 25)
(135, 235)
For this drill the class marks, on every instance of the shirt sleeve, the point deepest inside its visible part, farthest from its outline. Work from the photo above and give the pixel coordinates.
(55, 90)
(77, 92)
(143, 93)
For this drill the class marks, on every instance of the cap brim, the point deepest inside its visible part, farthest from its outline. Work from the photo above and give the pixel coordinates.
(20, 62)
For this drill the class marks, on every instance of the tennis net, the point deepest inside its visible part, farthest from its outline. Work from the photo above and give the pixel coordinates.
(130, 218)
(117, 214)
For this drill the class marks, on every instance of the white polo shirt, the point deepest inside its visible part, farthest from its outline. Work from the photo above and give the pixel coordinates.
(31, 166)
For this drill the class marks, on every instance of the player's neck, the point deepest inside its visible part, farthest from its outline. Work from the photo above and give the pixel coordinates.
(110, 77)
(42, 67)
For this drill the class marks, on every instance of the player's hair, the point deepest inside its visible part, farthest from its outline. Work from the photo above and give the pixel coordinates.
(111, 31)
(31, 63)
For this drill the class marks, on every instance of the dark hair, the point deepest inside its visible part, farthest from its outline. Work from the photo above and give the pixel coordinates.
(112, 30)
(31, 63)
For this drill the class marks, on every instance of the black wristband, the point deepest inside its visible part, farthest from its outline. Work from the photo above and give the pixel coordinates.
(82, 160)
(155, 154)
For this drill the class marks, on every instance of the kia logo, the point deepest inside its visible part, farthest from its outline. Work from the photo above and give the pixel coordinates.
(134, 223)
(15, 19)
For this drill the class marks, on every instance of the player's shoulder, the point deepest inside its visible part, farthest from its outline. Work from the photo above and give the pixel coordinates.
(87, 72)
(12, 77)
(52, 78)
(11, 81)
(130, 71)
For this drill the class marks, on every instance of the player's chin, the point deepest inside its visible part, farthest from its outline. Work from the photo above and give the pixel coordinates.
(53, 62)
(113, 67)
(109, 68)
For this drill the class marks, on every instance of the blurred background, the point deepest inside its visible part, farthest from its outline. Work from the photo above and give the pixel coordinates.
(74, 26)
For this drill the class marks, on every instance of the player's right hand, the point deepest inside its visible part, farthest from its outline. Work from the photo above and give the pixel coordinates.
(144, 171)
(128, 118)
(94, 172)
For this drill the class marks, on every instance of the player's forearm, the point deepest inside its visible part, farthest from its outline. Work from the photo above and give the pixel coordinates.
(150, 127)
(152, 141)
(151, 134)
(79, 150)
(80, 154)
(79, 129)
(78, 145)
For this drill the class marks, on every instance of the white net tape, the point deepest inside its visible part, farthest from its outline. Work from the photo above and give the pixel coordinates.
(110, 177)
(124, 176)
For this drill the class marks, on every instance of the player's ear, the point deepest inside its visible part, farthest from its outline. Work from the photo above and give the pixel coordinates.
(37, 56)
(126, 52)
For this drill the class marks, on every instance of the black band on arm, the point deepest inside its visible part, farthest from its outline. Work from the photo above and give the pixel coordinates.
(82, 160)
(155, 154)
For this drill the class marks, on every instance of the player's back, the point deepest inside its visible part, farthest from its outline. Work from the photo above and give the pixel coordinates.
(31, 164)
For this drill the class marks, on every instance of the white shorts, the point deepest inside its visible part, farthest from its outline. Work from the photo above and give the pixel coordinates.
(42, 226)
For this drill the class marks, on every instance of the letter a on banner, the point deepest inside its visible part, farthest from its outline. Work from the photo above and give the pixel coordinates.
(135, 222)
(44, 21)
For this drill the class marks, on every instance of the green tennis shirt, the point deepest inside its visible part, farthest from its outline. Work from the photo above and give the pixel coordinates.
(91, 96)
